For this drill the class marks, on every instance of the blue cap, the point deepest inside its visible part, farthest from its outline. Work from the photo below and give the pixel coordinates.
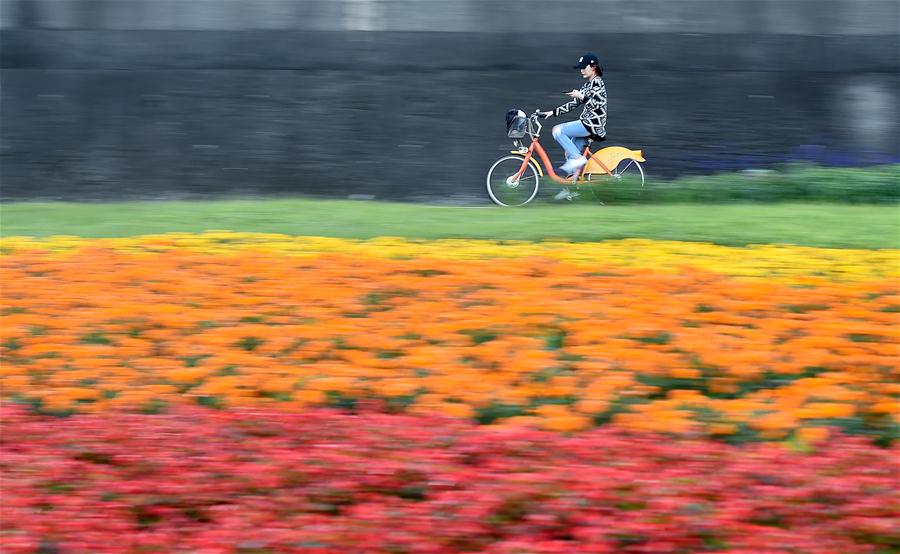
(586, 60)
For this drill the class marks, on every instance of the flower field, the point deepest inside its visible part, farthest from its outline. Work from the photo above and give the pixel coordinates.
(210, 481)
(225, 392)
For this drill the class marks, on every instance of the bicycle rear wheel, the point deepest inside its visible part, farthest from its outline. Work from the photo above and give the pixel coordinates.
(628, 174)
(504, 189)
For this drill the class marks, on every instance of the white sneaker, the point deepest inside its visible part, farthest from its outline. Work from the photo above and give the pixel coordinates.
(564, 194)
(573, 164)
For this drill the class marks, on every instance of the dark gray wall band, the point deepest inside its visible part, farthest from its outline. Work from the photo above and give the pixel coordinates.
(404, 99)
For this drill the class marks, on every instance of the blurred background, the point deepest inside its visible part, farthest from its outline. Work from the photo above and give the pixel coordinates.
(405, 99)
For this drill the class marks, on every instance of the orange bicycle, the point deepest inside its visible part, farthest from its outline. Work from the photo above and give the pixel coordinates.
(515, 180)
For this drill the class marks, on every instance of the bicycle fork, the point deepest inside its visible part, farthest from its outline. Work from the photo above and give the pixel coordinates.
(525, 161)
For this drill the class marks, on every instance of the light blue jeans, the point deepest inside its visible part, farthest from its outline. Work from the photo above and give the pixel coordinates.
(572, 136)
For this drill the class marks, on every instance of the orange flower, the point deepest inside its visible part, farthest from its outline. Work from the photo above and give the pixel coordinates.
(812, 435)
(243, 328)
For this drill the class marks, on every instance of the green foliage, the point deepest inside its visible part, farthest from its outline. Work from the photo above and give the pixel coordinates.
(555, 339)
(567, 400)
(792, 183)
(488, 414)
(210, 402)
(95, 337)
(660, 337)
(11, 344)
(337, 400)
(250, 343)
(480, 336)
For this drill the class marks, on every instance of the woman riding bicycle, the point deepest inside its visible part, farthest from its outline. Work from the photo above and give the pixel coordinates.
(572, 136)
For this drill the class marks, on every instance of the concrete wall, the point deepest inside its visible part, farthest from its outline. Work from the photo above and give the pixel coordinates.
(405, 98)
(791, 17)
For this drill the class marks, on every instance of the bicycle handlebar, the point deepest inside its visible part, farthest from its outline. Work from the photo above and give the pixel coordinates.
(536, 119)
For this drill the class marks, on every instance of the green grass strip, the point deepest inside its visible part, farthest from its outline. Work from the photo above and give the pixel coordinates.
(822, 225)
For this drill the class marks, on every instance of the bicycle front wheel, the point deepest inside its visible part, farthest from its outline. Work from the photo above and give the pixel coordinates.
(503, 187)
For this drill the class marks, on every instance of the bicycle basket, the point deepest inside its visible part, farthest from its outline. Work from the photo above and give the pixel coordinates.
(516, 124)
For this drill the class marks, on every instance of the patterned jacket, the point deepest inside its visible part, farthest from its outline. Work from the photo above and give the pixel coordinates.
(594, 114)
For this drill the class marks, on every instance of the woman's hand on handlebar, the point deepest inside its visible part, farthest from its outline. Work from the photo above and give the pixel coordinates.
(544, 114)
